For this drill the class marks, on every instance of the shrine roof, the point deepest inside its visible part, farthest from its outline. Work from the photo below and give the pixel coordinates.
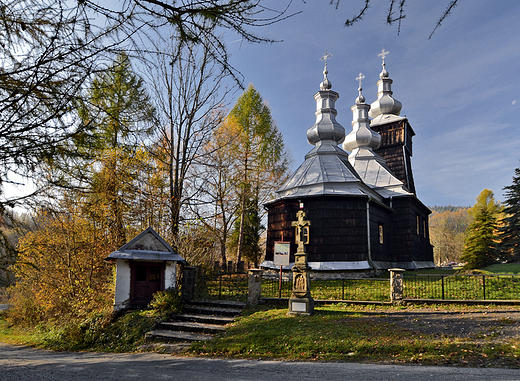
(147, 246)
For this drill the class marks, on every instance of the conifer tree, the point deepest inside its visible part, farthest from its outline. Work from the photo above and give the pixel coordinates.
(261, 157)
(510, 230)
(481, 235)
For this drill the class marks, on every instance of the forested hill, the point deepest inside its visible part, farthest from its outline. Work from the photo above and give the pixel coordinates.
(449, 208)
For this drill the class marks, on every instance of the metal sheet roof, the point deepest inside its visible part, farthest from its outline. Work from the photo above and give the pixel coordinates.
(147, 246)
(325, 171)
(372, 169)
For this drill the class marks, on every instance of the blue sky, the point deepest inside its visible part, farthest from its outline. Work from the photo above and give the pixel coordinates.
(459, 89)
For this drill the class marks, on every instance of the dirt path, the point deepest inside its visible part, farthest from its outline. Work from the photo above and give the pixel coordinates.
(480, 326)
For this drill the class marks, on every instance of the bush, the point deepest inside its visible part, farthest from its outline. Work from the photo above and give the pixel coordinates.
(100, 332)
(166, 302)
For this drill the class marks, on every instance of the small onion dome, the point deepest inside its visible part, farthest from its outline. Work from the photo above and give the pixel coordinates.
(360, 99)
(385, 103)
(326, 84)
(326, 128)
(361, 136)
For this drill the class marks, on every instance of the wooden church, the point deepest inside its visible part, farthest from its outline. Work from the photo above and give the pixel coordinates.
(357, 190)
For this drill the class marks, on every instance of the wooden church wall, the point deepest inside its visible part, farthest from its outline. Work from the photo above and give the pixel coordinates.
(396, 149)
(338, 227)
(410, 238)
(379, 216)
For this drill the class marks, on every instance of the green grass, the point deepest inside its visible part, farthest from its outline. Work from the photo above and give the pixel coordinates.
(502, 268)
(346, 333)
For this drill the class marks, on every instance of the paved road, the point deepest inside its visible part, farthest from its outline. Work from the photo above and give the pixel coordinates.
(23, 363)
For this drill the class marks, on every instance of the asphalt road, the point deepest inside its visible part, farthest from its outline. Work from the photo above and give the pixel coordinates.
(24, 363)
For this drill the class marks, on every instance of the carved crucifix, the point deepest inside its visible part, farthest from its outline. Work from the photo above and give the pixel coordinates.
(302, 231)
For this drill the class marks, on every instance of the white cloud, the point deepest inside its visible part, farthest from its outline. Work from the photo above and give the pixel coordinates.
(514, 102)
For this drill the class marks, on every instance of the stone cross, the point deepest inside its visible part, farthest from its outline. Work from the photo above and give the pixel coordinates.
(302, 230)
(383, 54)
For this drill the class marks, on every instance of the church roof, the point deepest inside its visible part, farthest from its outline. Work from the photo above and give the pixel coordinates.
(147, 246)
(326, 170)
(362, 142)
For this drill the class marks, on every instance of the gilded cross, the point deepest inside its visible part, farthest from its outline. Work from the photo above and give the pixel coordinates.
(383, 54)
(360, 78)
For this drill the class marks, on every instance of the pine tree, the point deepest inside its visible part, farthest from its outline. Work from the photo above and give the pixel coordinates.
(481, 235)
(509, 232)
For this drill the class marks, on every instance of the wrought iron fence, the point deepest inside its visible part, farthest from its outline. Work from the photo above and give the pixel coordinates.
(273, 288)
(462, 287)
(218, 285)
(369, 289)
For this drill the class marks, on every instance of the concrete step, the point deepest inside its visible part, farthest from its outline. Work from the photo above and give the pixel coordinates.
(206, 319)
(167, 336)
(219, 303)
(213, 311)
(188, 326)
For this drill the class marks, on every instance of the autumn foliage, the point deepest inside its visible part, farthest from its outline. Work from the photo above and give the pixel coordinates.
(60, 269)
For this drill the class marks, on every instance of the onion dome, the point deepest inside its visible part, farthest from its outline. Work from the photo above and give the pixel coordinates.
(361, 136)
(385, 103)
(326, 128)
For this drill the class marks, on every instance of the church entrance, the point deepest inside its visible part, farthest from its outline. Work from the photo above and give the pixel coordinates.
(147, 279)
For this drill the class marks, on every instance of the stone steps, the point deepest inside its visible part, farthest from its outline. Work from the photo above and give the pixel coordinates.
(200, 321)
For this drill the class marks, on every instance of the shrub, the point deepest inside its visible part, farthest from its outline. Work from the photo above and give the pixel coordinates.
(166, 302)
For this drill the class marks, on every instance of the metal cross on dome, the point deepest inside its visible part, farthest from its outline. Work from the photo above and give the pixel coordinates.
(383, 54)
(360, 78)
(325, 57)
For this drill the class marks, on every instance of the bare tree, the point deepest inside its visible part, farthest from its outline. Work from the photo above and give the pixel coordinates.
(51, 48)
(396, 13)
(189, 94)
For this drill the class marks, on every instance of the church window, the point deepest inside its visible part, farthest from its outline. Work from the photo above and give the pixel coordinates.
(381, 235)
(418, 225)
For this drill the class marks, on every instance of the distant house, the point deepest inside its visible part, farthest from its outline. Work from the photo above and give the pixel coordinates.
(357, 190)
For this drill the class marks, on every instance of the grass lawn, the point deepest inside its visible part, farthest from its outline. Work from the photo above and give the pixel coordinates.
(351, 333)
(502, 268)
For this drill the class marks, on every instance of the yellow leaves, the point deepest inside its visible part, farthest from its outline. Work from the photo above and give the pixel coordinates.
(60, 266)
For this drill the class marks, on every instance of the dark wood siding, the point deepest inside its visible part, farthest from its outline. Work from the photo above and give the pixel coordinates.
(338, 228)
(396, 149)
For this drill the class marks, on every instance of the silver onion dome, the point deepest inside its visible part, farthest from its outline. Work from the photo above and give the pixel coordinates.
(385, 103)
(326, 128)
(361, 135)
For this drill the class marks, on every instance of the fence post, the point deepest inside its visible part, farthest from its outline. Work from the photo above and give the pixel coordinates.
(396, 285)
(254, 286)
(189, 278)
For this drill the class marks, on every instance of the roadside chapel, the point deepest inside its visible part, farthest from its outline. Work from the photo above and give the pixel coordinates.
(144, 265)
(357, 190)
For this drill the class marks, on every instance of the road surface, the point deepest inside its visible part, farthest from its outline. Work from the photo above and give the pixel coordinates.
(24, 363)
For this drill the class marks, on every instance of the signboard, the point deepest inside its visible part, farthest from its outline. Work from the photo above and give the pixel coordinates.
(281, 253)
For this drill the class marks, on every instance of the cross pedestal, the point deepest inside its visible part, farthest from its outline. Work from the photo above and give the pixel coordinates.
(301, 301)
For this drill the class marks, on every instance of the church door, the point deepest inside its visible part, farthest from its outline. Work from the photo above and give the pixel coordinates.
(147, 279)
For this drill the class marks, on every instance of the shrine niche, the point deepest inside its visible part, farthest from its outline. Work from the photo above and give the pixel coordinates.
(144, 266)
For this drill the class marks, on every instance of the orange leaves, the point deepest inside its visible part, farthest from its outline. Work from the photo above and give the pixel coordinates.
(60, 266)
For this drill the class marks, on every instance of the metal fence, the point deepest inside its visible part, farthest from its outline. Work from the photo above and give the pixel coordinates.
(369, 289)
(218, 285)
(462, 287)
(437, 287)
